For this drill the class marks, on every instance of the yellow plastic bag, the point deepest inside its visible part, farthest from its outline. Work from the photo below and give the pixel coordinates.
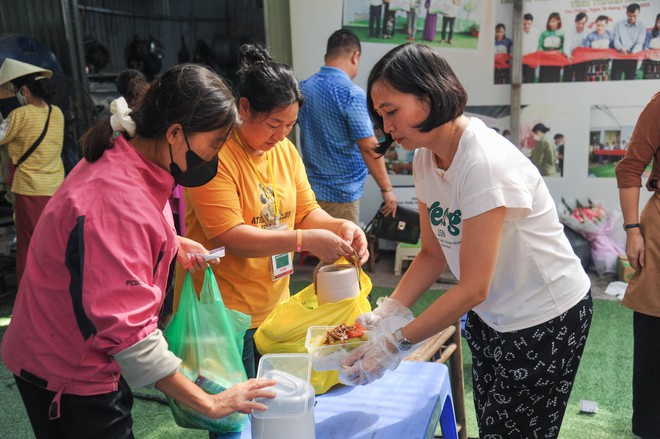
(285, 328)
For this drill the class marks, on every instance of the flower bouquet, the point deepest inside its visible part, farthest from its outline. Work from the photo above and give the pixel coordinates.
(592, 221)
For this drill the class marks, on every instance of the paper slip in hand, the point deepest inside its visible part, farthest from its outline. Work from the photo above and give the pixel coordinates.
(213, 254)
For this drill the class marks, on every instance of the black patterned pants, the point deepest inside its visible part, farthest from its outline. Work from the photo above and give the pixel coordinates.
(522, 379)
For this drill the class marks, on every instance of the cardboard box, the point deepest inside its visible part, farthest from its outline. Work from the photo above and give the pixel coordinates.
(626, 272)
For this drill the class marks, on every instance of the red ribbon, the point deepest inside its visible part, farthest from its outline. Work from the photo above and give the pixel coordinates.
(502, 61)
(580, 55)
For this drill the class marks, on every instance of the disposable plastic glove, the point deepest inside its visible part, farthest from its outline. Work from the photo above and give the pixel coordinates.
(389, 315)
(369, 362)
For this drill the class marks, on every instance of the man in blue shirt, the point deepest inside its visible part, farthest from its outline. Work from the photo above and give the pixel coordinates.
(629, 37)
(337, 135)
(601, 38)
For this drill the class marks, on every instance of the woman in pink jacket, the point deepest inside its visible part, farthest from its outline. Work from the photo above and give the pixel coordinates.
(85, 321)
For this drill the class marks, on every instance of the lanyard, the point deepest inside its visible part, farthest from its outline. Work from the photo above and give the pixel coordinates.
(272, 198)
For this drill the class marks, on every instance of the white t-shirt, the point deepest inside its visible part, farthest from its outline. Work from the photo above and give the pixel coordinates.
(537, 275)
(530, 42)
(573, 39)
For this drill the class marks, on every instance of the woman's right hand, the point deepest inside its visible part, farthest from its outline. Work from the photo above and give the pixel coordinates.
(240, 398)
(325, 245)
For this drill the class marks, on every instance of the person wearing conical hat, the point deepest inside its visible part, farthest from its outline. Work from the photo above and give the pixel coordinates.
(37, 175)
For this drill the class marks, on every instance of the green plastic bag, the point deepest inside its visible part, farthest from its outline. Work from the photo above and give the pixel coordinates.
(208, 337)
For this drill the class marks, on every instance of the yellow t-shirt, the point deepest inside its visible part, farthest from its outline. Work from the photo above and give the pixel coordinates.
(43, 172)
(235, 196)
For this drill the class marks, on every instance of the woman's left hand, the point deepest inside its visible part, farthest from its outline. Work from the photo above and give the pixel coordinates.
(193, 263)
(368, 362)
(354, 235)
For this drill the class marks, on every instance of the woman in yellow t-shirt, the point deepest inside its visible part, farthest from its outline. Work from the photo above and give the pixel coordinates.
(38, 177)
(260, 205)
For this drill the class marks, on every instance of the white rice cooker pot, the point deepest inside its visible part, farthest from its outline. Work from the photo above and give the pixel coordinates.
(337, 281)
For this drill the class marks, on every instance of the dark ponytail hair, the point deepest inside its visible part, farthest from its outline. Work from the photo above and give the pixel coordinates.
(131, 84)
(266, 84)
(187, 94)
(37, 83)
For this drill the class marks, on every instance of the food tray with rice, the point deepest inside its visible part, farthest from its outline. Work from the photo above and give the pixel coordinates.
(329, 344)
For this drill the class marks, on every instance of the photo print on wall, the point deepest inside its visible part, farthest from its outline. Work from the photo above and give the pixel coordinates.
(451, 24)
(610, 129)
(540, 133)
(580, 41)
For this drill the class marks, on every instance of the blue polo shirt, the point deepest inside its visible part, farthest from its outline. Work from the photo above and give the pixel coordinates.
(332, 119)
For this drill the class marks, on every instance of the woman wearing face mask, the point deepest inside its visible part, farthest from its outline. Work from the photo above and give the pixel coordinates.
(85, 318)
(39, 173)
(260, 205)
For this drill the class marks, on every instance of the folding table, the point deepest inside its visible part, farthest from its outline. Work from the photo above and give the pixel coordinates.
(405, 403)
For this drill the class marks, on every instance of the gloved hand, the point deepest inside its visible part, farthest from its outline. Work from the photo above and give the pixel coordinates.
(368, 362)
(389, 315)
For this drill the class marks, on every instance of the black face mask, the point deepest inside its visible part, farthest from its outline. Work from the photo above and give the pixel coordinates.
(198, 171)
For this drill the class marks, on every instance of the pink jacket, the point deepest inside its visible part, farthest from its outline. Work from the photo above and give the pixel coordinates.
(99, 264)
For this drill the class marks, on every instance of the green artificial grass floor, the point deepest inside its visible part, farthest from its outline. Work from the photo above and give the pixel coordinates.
(604, 376)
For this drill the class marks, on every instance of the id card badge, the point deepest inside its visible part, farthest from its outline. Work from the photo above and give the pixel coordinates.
(281, 265)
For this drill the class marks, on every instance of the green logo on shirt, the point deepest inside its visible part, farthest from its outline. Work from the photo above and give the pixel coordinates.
(444, 217)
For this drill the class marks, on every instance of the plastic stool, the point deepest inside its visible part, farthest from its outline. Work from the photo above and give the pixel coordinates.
(405, 252)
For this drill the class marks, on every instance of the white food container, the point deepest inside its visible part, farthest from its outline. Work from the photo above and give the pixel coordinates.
(327, 357)
(290, 414)
(336, 282)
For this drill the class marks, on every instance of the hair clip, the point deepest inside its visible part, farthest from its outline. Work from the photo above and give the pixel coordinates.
(115, 134)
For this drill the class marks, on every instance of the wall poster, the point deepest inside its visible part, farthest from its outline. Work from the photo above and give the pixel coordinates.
(581, 41)
(610, 129)
(542, 128)
(451, 24)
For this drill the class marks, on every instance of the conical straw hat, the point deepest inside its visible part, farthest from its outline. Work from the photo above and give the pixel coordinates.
(12, 69)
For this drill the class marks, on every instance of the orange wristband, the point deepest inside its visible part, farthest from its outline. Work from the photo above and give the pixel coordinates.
(298, 240)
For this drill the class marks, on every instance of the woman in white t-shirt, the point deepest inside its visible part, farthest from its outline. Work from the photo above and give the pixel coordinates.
(487, 213)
